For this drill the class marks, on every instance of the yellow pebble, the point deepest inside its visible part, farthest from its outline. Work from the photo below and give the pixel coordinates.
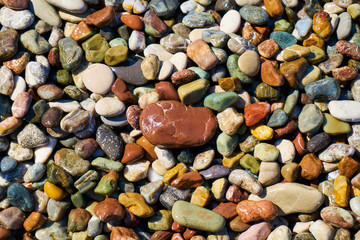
(200, 197)
(54, 191)
(80, 236)
(355, 192)
(230, 84)
(136, 204)
(175, 172)
(342, 191)
(262, 132)
(232, 160)
(90, 208)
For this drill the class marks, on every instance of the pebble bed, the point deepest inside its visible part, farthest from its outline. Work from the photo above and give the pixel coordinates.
(180, 120)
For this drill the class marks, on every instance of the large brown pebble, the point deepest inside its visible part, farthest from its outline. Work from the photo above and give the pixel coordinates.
(121, 233)
(18, 63)
(294, 71)
(50, 92)
(338, 217)
(101, 18)
(34, 221)
(188, 180)
(274, 8)
(109, 210)
(250, 211)
(171, 124)
(167, 91)
(268, 48)
(12, 218)
(16, 4)
(310, 166)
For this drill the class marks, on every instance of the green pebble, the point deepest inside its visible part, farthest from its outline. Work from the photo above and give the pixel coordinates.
(140, 91)
(226, 144)
(185, 156)
(117, 42)
(200, 73)
(95, 48)
(195, 217)
(249, 162)
(58, 176)
(193, 92)
(73, 92)
(291, 101)
(266, 152)
(124, 32)
(333, 126)
(234, 70)
(107, 185)
(101, 237)
(87, 181)
(106, 165)
(283, 25)
(161, 221)
(220, 101)
(317, 55)
(36, 111)
(267, 92)
(78, 200)
(63, 77)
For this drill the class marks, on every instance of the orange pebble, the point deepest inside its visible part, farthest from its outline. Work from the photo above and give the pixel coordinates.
(132, 21)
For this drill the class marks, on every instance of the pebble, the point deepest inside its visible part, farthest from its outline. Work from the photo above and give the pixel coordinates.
(230, 22)
(286, 197)
(109, 142)
(320, 229)
(259, 231)
(286, 149)
(310, 119)
(17, 20)
(19, 197)
(192, 218)
(341, 110)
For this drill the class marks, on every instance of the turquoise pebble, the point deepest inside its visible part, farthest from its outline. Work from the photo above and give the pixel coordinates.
(283, 39)
(220, 101)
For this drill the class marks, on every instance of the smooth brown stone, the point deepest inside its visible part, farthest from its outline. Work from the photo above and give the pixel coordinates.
(153, 21)
(101, 18)
(270, 75)
(348, 166)
(291, 127)
(85, 148)
(227, 210)
(82, 32)
(299, 143)
(188, 180)
(183, 77)
(52, 117)
(293, 71)
(4, 233)
(250, 211)
(109, 210)
(34, 221)
(180, 127)
(176, 227)
(167, 91)
(189, 233)
(310, 167)
(122, 92)
(345, 74)
(268, 48)
(12, 218)
(54, 57)
(132, 152)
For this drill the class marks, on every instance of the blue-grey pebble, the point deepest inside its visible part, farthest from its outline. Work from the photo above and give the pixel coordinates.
(198, 19)
(323, 89)
(278, 118)
(35, 172)
(254, 14)
(20, 197)
(7, 164)
(283, 39)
